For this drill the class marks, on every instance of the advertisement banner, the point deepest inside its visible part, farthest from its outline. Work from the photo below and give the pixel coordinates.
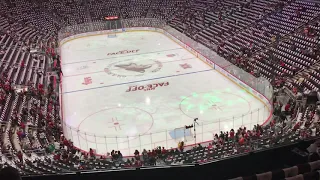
(231, 77)
(194, 52)
(191, 50)
(141, 28)
(201, 57)
(218, 68)
(176, 40)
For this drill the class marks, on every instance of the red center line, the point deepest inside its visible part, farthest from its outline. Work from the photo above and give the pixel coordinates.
(120, 68)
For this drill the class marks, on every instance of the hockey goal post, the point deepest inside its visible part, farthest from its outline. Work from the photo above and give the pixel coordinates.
(112, 35)
(182, 134)
(113, 23)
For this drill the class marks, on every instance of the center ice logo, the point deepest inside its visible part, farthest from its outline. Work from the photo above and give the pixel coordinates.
(133, 67)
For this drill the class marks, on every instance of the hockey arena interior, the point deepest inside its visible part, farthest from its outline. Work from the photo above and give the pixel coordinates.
(214, 89)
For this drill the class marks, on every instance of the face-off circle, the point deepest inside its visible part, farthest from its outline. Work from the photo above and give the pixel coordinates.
(135, 67)
(211, 106)
(118, 122)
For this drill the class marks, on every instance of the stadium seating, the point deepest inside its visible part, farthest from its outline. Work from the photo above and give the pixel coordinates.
(267, 38)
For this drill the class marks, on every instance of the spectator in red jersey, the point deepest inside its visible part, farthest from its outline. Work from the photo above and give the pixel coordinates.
(20, 134)
(287, 108)
(23, 127)
(251, 45)
(51, 124)
(22, 64)
(241, 141)
(258, 133)
(232, 134)
(282, 63)
(272, 123)
(153, 153)
(40, 86)
(163, 151)
(20, 156)
(149, 153)
(65, 142)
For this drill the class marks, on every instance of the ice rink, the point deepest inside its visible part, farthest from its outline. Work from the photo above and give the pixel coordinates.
(130, 92)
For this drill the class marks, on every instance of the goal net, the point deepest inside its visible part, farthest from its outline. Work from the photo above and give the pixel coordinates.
(181, 134)
(112, 35)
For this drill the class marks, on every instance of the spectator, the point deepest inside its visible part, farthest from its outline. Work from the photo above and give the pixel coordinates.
(91, 152)
(20, 156)
(163, 151)
(137, 154)
(181, 146)
(120, 156)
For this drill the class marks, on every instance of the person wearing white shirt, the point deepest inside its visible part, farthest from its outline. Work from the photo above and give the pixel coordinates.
(82, 157)
(313, 131)
(76, 165)
(57, 145)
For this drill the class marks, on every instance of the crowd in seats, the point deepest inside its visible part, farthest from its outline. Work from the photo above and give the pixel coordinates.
(168, 10)
(100, 9)
(258, 36)
(49, 16)
(61, 156)
(277, 39)
(134, 9)
(285, 19)
(306, 45)
(294, 54)
(308, 118)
